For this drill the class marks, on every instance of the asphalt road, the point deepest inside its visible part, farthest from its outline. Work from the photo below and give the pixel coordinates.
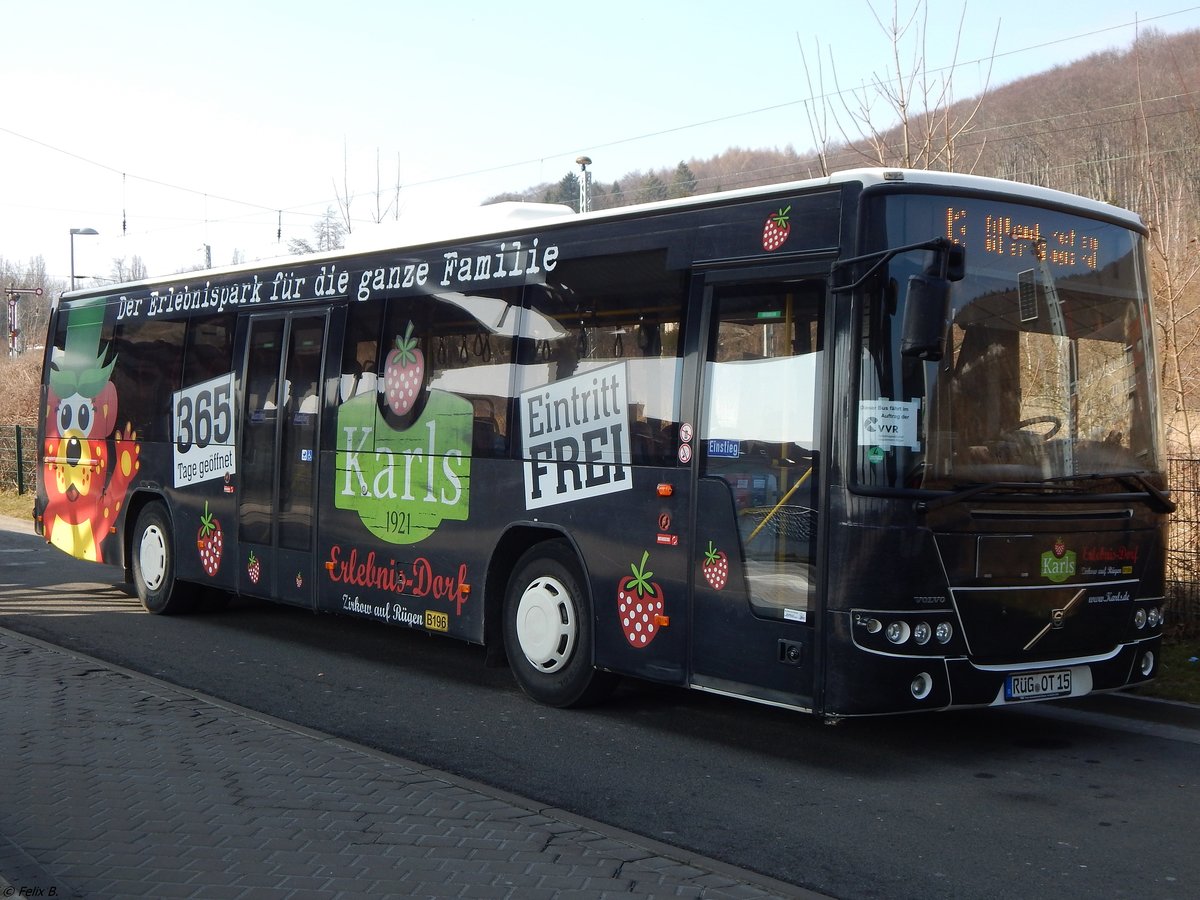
(1040, 801)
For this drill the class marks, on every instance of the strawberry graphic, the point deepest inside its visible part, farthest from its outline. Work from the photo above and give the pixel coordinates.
(299, 580)
(640, 602)
(776, 229)
(404, 372)
(254, 568)
(715, 567)
(209, 541)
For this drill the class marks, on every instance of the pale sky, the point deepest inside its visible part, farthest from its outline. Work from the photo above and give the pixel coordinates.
(212, 123)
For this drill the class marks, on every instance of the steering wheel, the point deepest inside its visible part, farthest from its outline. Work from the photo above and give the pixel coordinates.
(1041, 420)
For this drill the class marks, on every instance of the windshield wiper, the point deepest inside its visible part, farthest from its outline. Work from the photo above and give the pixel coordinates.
(1156, 497)
(967, 493)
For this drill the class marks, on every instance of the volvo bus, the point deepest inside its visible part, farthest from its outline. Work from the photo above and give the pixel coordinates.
(880, 442)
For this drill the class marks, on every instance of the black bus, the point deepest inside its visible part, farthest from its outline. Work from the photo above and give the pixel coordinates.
(881, 442)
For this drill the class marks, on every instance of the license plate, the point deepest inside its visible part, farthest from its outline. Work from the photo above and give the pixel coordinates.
(1037, 685)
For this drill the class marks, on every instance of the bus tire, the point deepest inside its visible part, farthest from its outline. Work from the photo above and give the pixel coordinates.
(548, 629)
(153, 551)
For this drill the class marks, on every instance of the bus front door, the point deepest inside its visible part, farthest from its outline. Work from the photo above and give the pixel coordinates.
(281, 409)
(758, 488)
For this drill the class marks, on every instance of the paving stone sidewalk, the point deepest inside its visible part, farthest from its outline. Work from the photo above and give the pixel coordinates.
(113, 784)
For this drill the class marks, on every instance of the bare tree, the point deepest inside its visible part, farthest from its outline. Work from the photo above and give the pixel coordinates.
(393, 206)
(328, 234)
(345, 198)
(1176, 267)
(32, 310)
(134, 270)
(1173, 221)
(920, 125)
(816, 109)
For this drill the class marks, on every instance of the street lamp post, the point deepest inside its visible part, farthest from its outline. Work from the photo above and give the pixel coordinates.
(585, 184)
(75, 231)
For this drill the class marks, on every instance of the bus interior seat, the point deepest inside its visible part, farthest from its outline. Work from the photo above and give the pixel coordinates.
(368, 383)
(650, 443)
(487, 437)
(272, 395)
(309, 404)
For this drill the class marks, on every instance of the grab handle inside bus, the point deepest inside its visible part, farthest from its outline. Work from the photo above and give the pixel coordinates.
(778, 506)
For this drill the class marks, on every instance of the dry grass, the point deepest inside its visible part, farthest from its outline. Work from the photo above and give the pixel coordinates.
(21, 378)
(1178, 671)
(19, 506)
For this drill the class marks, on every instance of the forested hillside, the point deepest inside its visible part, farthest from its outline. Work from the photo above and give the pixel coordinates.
(1122, 126)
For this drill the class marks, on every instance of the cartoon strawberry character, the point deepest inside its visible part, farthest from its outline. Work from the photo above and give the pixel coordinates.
(209, 541)
(640, 602)
(715, 567)
(776, 229)
(254, 568)
(404, 373)
(89, 461)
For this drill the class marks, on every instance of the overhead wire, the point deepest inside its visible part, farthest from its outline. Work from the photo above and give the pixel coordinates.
(299, 208)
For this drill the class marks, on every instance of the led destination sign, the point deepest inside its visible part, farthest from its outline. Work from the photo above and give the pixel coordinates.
(1029, 233)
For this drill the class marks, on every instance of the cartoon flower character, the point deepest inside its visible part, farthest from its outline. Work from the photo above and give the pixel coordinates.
(86, 475)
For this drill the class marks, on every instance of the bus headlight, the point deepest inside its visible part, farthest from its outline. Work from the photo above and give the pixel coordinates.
(1154, 618)
(1139, 619)
(916, 633)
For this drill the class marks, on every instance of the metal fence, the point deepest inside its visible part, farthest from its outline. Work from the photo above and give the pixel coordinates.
(18, 458)
(1183, 546)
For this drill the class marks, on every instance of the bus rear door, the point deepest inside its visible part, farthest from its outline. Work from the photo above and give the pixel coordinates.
(281, 409)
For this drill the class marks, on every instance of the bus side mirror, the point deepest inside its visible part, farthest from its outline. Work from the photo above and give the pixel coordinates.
(923, 332)
(956, 262)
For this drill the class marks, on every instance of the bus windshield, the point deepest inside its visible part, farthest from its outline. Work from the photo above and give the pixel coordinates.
(1048, 366)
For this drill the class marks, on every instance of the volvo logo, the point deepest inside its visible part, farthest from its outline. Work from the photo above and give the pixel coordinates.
(1058, 618)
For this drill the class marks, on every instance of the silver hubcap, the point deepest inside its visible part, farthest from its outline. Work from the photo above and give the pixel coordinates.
(546, 625)
(152, 557)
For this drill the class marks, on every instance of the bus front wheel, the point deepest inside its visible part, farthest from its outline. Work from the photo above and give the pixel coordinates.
(548, 629)
(153, 552)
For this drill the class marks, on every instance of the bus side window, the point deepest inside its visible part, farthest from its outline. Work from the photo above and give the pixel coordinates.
(466, 346)
(760, 431)
(360, 351)
(149, 364)
(623, 310)
(208, 348)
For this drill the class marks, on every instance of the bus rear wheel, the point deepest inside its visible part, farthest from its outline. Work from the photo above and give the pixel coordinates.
(548, 630)
(153, 551)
